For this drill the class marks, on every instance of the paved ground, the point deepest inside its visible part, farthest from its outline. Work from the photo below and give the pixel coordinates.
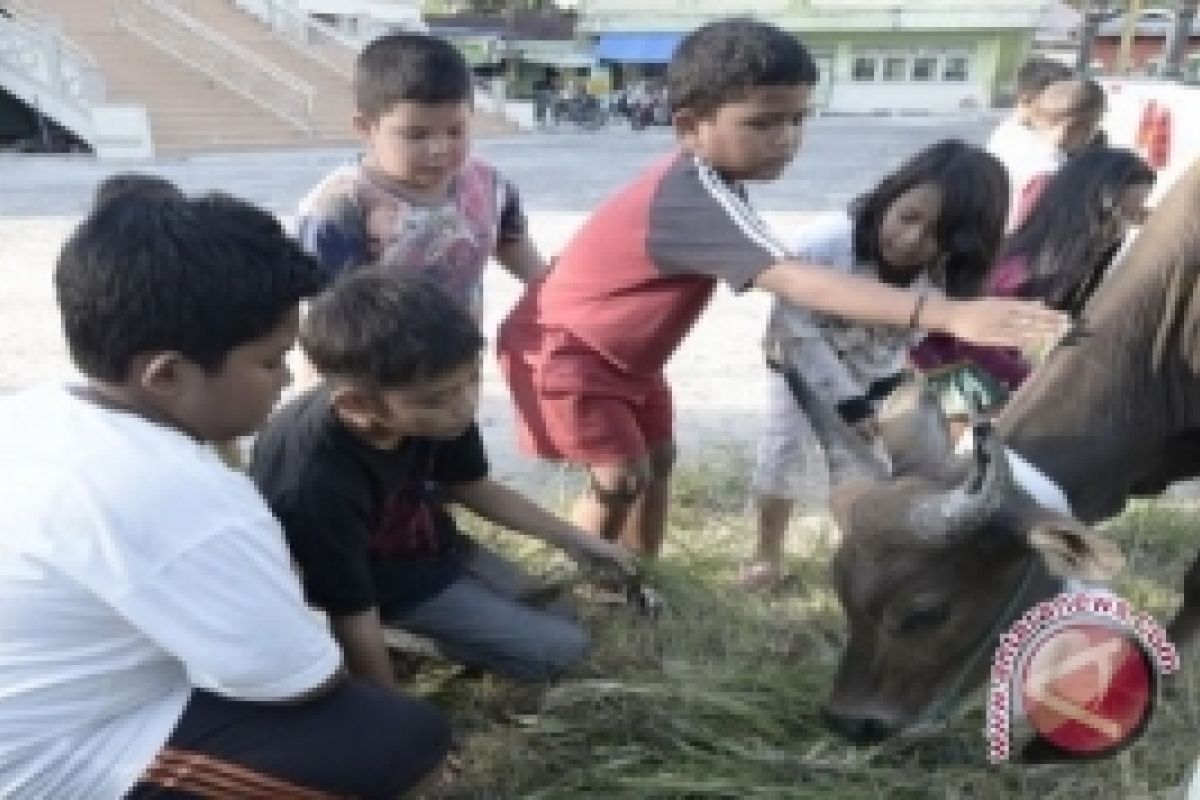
(717, 374)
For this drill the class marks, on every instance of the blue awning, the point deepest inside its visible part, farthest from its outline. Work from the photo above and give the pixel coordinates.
(637, 48)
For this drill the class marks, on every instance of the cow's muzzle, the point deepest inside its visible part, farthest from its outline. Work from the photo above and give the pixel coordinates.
(860, 729)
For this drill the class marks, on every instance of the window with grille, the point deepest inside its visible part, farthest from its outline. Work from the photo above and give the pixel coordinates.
(955, 69)
(924, 68)
(864, 68)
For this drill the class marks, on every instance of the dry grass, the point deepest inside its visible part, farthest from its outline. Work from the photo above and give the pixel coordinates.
(720, 697)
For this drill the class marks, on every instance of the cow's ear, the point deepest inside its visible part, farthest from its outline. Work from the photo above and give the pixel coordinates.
(1070, 550)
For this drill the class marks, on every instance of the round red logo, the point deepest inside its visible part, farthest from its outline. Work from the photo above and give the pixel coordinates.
(1087, 689)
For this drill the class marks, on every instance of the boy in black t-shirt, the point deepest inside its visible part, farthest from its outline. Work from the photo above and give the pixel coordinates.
(360, 471)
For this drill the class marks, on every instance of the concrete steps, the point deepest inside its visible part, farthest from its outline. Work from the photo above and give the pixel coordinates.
(188, 111)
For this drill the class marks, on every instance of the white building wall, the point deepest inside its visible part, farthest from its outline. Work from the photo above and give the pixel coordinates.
(900, 98)
(903, 79)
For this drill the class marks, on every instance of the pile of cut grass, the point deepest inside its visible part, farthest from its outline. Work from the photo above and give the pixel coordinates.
(720, 697)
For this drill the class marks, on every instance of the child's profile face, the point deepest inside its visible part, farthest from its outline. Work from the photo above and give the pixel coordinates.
(421, 145)
(438, 408)
(1063, 115)
(753, 138)
(1129, 212)
(907, 236)
(1072, 133)
(236, 399)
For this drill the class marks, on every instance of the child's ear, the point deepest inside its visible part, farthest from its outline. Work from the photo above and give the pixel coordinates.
(363, 125)
(159, 374)
(355, 406)
(686, 123)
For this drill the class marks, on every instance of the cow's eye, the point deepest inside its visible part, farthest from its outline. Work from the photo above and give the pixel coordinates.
(922, 618)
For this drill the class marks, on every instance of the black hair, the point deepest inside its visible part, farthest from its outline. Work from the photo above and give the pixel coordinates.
(1037, 73)
(1062, 235)
(414, 67)
(380, 328)
(148, 272)
(970, 226)
(126, 183)
(1082, 96)
(720, 62)
(1094, 98)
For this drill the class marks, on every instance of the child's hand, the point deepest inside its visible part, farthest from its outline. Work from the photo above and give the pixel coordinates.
(998, 322)
(592, 551)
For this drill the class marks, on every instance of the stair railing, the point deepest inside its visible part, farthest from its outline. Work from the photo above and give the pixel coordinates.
(48, 73)
(223, 60)
(307, 35)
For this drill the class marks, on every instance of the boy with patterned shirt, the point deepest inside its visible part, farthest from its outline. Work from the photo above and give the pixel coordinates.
(417, 200)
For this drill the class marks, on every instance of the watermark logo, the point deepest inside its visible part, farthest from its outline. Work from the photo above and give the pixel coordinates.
(1082, 671)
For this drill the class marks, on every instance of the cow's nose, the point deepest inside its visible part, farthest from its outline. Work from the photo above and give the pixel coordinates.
(858, 729)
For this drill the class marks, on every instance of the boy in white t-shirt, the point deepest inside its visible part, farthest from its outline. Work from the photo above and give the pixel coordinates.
(152, 631)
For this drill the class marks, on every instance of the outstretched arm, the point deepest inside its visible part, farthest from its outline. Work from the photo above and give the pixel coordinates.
(499, 504)
(988, 321)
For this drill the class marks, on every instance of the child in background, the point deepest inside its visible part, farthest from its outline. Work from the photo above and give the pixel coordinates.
(584, 350)
(935, 225)
(1065, 246)
(417, 200)
(1062, 120)
(155, 636)
(1060, 254)
(362, 471)
(1035, 75)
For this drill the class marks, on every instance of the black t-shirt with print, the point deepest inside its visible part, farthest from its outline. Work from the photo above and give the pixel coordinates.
(367, 527)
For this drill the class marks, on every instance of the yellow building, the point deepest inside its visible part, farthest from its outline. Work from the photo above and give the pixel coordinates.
(922, 56)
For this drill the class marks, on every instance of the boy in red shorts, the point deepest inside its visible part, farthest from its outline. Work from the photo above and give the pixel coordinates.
(584, 350)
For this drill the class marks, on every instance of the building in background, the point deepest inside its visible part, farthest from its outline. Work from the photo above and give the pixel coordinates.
(1059, 32)
(875, 56)
(1149, 44)
(520, 46)
(362, 19)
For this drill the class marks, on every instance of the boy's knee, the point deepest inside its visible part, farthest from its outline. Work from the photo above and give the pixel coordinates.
(411, 739)
(620, 484)
(569, 647)
(553, 649)
(430, 738)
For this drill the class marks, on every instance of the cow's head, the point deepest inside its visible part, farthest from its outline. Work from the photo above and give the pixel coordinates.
(936, 558)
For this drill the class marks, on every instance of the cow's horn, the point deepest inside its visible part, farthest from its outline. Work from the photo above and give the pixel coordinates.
(846, 454)
(987, 487)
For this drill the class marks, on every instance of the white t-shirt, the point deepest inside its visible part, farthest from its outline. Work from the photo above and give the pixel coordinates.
(839, 358)
(1025, 156)
(134, 566)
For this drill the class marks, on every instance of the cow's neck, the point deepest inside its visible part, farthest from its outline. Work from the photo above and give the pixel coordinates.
(1108, 407)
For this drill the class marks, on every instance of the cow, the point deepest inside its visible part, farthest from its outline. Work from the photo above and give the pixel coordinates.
(940, 553)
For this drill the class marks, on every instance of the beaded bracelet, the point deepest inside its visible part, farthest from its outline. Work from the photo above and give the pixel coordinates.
(915, 318)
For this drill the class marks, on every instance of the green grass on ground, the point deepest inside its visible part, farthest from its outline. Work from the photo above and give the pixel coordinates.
(720, 697)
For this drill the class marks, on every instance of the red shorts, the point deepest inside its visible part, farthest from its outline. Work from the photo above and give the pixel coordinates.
(574, 405)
